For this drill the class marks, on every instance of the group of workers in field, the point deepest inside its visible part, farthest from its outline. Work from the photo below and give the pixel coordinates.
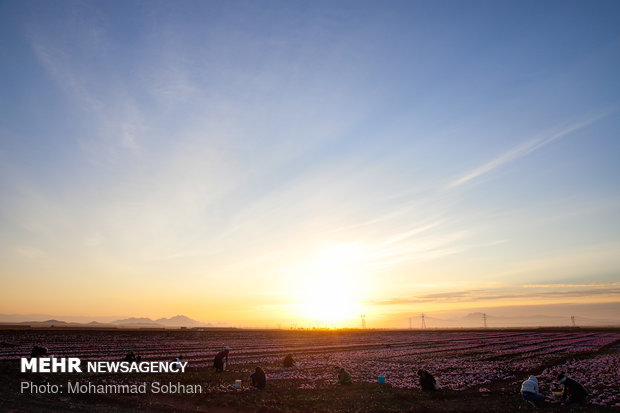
(259, 380)
(573, 391)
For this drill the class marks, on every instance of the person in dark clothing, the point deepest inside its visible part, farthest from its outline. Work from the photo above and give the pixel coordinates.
(38, 351)
(427, 381)
(220, 359)
(130, 357)
(573, 390)
(344, 377)
(288, 360)
(258, 378)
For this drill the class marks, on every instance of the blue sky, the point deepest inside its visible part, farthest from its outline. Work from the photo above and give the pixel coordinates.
(181, 148)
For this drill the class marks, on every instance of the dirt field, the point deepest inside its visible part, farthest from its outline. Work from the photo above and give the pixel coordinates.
(478, 370)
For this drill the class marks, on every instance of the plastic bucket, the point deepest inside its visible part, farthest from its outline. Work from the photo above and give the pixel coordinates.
(237, 384)
(381, 379)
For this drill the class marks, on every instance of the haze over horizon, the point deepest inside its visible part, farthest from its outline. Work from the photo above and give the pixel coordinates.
(549, 315)
(277, 163)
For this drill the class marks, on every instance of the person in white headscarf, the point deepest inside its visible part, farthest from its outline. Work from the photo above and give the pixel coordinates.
(530, 391)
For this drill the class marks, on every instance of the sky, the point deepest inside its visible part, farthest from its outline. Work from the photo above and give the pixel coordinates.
(303, 163)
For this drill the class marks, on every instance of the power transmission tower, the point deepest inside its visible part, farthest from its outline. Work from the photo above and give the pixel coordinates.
(410, 323)
(423, 322)
(363, 317)
(572, 320)
(484, 319)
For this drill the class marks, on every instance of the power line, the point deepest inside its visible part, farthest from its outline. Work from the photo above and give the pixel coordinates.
(423, 322)
(363, 317)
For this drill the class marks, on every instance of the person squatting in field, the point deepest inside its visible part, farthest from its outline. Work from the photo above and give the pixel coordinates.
(131, 357)
(258, 378)
(221, 359)
(531, 393)
(38, 351)
(573, 390)
(288, 361)
(177, 362)
(427, 381)
(344, 377)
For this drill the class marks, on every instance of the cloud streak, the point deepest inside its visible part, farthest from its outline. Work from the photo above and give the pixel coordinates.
(118, 120)
(572, 285)
(474, 295)
(521, 150)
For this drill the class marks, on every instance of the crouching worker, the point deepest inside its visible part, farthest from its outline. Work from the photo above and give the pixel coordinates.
(288, 360)
(344, 377)
(530, 392)
(258, 378)
(574, 392)
(176, 363)
(427, 381)
(38, 351)
(221, 359)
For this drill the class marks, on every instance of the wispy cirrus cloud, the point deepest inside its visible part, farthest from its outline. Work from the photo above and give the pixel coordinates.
(118, 119)
(484, 294)
(522, 150)
(573, 285)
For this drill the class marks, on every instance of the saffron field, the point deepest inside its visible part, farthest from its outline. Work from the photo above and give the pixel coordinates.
(484, 367)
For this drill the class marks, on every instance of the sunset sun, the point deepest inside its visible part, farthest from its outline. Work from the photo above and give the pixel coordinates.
(330, 293)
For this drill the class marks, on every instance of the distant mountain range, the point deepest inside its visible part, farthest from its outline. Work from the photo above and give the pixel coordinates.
(177, 321)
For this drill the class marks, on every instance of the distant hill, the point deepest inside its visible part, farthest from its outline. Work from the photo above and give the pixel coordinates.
(49, 323)
(54, 322)
(176, 321)
(476, 320)
(537, 320)
(19, 318)
(136, 321)
(131, 322)
(180, 321)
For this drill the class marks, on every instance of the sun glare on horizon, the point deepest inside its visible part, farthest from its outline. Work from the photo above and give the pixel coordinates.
(331, 290)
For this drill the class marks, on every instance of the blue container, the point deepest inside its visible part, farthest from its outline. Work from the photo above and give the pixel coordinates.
(381, 379)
